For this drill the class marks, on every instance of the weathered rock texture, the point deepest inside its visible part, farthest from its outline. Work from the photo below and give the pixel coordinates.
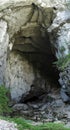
(6, 125)
(29, 27)
(60, 35)
(19, 75)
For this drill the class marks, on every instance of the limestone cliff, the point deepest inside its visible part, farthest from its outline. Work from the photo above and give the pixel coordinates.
(33, 34)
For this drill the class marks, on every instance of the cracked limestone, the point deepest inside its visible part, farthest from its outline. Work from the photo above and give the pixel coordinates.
(28, 21)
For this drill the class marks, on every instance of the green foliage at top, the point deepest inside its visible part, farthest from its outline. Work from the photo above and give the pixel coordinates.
(63, 62)
(23, 124)
(4, 100)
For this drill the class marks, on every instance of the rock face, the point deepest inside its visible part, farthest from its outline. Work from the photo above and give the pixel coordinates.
(31, 32)
(19, 75)
(6, 125)
(61, 26)
(4, 40)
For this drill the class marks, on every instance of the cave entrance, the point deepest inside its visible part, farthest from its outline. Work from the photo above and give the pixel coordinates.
(35, 46)
(32, 41)
(39, 103)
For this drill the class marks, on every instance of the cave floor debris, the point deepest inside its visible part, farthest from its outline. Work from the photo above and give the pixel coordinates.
(48, 108)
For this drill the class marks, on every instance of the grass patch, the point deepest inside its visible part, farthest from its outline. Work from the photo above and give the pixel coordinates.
(23, 124)
(63, 62)
(4, 101)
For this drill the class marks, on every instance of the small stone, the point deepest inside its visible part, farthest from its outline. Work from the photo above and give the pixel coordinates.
(43, 107)
(58, 121)
(59, 103)
(27, 113)
(19, 106)
(42, 112)
(64, 96)
(47, 120)
(35, 106)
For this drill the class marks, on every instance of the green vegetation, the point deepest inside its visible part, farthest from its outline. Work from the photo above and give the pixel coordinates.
(63, 62)
(4, 100)
(23, 124)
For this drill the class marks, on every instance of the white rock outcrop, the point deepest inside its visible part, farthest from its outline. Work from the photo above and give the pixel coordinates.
(6, 125)
(30, 19)
(19, 75)
(4, 42)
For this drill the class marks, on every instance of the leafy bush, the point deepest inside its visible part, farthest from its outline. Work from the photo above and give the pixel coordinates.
(63, 62)
(4, 100)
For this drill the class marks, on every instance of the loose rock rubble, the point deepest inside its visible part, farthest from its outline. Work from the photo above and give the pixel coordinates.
(48, 108)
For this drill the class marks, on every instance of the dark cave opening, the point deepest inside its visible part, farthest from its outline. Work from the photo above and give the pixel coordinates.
(39, 54)
(44, 65)
(33, 43)
(44, 91)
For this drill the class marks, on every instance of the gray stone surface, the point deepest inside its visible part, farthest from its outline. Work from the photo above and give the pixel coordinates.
(19, 107)
(31, 20)
(4, 41)
(5, 125)
(19, 75)
(64, 96)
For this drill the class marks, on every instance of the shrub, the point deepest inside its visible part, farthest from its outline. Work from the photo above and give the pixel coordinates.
(63, 62)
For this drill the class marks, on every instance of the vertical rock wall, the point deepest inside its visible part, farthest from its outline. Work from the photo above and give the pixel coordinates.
(19, 75)
(60, 35)
(4, 41)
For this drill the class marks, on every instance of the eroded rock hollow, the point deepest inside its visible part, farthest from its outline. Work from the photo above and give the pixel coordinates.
(31, 40)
